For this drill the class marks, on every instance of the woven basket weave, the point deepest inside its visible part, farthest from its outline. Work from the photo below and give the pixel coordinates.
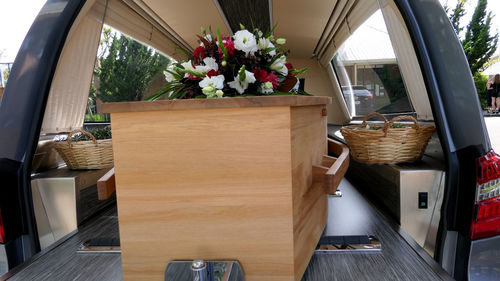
(387, 145)
(86, 155)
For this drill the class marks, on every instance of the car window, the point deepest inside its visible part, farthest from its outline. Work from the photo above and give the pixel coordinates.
(368, 71)
(125, 70)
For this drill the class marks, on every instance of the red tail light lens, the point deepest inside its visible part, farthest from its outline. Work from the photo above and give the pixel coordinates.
(2, 231)
(486, 220)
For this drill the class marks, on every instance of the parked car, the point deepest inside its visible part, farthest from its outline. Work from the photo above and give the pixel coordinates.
(52, 72)
(363, 99)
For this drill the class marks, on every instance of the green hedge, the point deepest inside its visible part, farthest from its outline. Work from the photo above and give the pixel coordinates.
(97, 118)
(480, 81)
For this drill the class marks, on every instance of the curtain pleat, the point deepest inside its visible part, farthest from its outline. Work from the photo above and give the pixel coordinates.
(347, 16)
(407, 60)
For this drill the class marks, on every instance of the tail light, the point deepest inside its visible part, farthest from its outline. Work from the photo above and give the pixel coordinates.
(2, 231)
(486, 219)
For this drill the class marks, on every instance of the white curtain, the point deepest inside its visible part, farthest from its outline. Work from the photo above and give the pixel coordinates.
(131, 19)
(347, 16)
(407, 60)
(70, 87)
(69, 91)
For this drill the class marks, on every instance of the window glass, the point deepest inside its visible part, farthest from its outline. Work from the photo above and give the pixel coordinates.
(125, 70)
(368, 71)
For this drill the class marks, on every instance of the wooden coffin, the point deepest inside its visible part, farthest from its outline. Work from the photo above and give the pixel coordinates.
(221, 179)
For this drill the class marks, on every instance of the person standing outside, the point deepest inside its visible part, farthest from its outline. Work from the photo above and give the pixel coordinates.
(492, 94)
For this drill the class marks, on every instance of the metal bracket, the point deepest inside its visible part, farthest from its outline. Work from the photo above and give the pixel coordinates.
(338, 193)
(199, 270)
(88, 247)
(348, 243)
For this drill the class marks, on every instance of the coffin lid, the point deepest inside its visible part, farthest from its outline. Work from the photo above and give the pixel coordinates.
(190, 104)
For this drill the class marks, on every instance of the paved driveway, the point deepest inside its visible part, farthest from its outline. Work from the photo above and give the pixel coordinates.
(493, 126)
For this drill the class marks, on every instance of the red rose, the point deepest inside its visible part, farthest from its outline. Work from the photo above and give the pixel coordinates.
(192, 77)
(260, 74)
(273, 79)
(199, 54)
(212, 73)
(229, 44)
(289, 66)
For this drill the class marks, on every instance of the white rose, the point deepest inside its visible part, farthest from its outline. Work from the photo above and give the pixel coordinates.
(266, 88)
(219, 93)
(245, 41)
(211, 63)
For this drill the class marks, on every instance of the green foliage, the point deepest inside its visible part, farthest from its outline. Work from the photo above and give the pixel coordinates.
(480, 81)
(96, 117)
(393, 84)
(127, 69)
(456, 14)
(99, 134)
(478, 44)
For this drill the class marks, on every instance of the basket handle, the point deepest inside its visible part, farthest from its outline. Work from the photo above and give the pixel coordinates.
(68, 139)
(416, 126)
(371, 115)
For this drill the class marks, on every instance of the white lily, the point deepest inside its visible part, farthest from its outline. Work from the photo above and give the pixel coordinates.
(279, 66)
(188, 66)
(245, 41)
(265, 43)
(168, 76)
(241, 81)
(209, 64)
(209, 85)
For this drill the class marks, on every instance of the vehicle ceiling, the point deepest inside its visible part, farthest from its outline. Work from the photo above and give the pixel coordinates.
(302, 23)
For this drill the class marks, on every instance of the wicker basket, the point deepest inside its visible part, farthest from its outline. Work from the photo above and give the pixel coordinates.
(86, 155)
(387, 145)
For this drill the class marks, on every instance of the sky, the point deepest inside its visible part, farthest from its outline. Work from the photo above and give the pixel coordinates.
(18, 15)
(493, 6)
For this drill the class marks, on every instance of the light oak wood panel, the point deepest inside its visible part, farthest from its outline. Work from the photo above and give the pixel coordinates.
(212, 184)
(106, 185)
(195, 179)
(338, 169)
(214, 103)
(308, 139)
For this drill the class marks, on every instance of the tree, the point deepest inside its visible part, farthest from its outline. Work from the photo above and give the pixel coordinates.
(127, 69)
(478, 44)
(456, 15)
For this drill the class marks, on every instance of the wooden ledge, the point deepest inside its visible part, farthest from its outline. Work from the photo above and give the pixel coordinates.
(214, 103)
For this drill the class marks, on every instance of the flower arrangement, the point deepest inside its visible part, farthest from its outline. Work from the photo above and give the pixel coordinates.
(246, 64)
